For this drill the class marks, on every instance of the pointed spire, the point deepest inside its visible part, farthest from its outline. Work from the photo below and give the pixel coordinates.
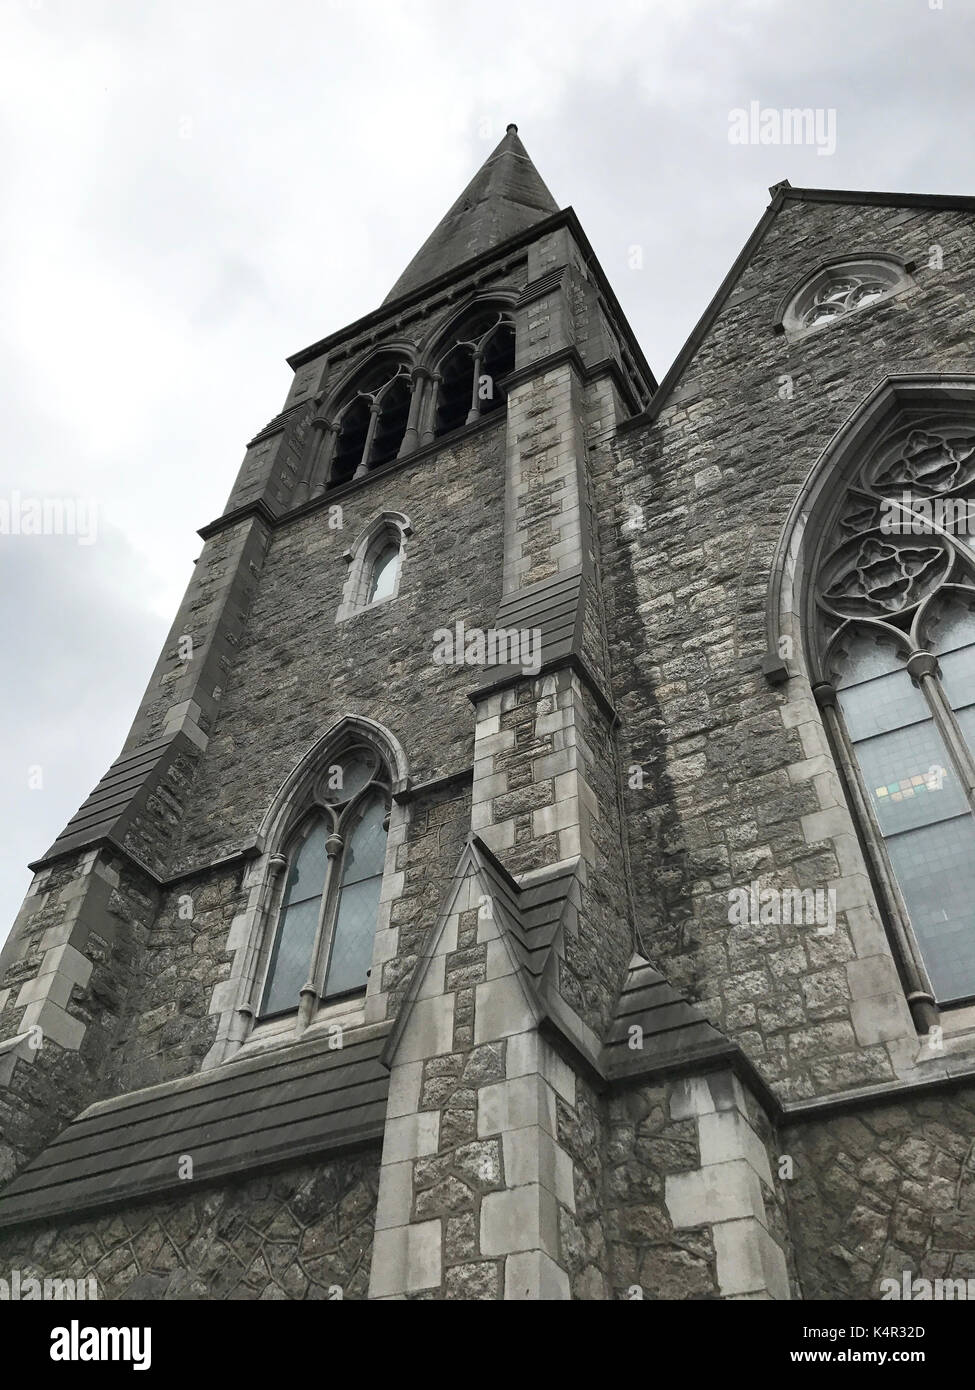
(504, 197)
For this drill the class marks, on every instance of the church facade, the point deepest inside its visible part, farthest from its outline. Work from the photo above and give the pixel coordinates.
(542, 863)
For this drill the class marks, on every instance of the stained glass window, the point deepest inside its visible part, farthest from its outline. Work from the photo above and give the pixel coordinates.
(896, 598)
(355, 923)
(329, 906)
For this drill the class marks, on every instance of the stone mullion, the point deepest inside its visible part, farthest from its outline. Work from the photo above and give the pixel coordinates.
(322, 460)
(428, 432)
(374, 412)
(267, 913)
(411, 434)
(315, 984)
(474, 414)
(923, 667)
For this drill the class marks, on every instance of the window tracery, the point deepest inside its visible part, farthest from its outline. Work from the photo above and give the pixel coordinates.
(334, 857)
(839, 289)
(895, 616)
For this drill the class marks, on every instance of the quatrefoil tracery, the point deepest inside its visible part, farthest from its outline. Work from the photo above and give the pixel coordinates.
(881, 563)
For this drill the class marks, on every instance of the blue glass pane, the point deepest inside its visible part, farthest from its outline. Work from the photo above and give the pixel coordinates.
(862, 658)
(958, 677)
(966, 718)
(935, 868)
(953, 627)
(909, 778)
(307, 876)
(352, 941)
(879, 705)
(384, 574)
(291, 961)
(365, 852)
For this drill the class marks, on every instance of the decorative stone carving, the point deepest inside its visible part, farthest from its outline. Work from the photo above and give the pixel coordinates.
(880, 576)
(890, 546)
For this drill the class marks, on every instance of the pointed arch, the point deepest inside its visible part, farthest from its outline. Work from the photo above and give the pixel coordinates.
(395, 352)
(873, 599)
(466, 360)
(379, 552)
(904, 396)
(433, 347)
(316, 901)
(287, 800)
(364, 422)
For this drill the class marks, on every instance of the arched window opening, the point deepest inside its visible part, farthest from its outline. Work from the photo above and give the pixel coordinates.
(841, 288)
(470, 371)
(498, 361)
(376, 561)
(456, 389)
(383, 581)
(326, 920)
(372, 425)
(351, 442)
(393, 414)
(894, 600)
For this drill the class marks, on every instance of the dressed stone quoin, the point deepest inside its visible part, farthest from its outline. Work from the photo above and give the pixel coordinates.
(542, 865)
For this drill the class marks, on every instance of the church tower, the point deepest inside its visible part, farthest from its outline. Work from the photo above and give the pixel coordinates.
(397, 955)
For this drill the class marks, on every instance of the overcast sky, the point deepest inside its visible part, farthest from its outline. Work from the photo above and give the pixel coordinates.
(190, 190)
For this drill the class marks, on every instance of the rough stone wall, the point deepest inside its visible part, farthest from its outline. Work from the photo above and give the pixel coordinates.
(75, 967)
(473, 1174)
(689, 519)
(299, 1233)
(212, 615)
(643, 1146)
(168, 1029)
(155, 829)
(543, 528)
(582, 1134)
(887, 1189)
(438, 825)
(298, 671)
(546, 792)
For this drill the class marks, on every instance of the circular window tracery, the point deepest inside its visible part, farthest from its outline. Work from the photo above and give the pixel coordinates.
(841, 289)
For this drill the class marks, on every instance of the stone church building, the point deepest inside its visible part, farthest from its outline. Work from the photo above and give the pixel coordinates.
(542, 864)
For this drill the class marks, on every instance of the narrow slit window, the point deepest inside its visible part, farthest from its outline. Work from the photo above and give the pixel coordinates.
(382, 583)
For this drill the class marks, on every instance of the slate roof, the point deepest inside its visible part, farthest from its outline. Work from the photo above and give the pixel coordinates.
(288, 1103)
(505, 196)
(554, 607)
(674, 1032)
(121, 793)
(532, 915)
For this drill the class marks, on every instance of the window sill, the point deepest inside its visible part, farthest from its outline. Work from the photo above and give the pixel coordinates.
(281, 1032)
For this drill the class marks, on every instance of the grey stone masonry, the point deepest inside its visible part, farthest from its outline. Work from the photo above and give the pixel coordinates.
(734, 779)
(602, 1083)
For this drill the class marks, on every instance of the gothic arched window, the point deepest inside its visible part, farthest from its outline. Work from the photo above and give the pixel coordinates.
(469, 372)
(370, 427)
(382, 581)
(375, 563)
(326, 919)
(840, 288)
(894, 609)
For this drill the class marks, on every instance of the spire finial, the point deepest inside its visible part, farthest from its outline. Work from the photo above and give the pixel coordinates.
(510, 128)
